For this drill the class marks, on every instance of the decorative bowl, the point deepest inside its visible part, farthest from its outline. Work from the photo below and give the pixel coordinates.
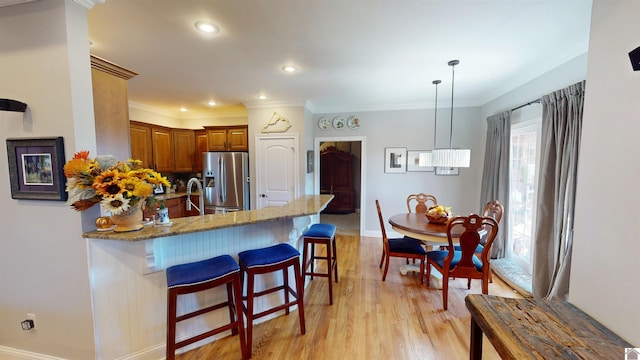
(438, 219)
(438, 214)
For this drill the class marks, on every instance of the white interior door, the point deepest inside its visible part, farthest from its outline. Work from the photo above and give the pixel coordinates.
(277, 174)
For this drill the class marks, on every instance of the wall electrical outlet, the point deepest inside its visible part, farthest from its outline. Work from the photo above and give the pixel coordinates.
(29, 323)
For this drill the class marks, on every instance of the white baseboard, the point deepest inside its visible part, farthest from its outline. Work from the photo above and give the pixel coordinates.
(153, 353)
(7, 353)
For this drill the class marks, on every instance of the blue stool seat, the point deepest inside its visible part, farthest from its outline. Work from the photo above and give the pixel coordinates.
(321, 231)
(199, 276)
(268, 256)
(267, 260)
(201, 271)
(321, 234)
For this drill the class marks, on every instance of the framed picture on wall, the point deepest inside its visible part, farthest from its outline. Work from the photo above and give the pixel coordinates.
(447, 171)
(36, 168)
(416, 160)
(309, 161)
(395, 160)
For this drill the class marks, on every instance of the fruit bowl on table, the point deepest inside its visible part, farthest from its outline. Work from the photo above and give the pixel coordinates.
(438, 214)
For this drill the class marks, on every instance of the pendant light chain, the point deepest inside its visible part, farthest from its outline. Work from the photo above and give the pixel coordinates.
(435, 115)
(453, 64)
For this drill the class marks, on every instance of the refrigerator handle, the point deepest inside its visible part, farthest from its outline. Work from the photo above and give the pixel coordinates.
(223, 180)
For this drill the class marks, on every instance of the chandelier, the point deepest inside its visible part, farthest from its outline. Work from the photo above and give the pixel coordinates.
(451, 157)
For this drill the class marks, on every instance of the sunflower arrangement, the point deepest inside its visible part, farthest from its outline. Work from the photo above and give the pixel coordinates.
(116, 185)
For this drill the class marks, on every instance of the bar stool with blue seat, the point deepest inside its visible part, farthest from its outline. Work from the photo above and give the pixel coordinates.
(267, 260)
(199, 276)
(322, 234)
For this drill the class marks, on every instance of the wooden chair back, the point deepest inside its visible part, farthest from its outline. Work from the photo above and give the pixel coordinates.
(494, 209)
(421, 200)
(385, 239)
(475, 228)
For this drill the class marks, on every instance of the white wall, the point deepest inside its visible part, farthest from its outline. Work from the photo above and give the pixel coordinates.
(413, 129)
(258, 119)
(605, 267)
(44, 62)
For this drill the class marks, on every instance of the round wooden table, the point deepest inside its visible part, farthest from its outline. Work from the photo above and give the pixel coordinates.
(418, 227)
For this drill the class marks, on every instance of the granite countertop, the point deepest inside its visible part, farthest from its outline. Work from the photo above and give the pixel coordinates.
(302, 206)
(176, 194)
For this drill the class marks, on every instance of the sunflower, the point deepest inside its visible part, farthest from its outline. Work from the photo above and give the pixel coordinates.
(116, 204)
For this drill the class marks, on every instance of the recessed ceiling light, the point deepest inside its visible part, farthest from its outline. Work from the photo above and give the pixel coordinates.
(183, 109)
(289, 68)
(211, 103)
(207, 26)
(262, 97)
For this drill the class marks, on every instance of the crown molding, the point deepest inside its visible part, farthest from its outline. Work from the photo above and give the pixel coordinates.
(88, 4)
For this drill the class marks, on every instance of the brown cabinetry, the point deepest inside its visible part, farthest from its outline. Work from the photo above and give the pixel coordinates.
(227, 138)
(175, 205)
(163, 149)
(202, 145)
(141, 144)
(184, 148)
(162, 140)
(336, 177)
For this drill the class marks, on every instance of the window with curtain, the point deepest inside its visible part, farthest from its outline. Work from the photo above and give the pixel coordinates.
(523, 175)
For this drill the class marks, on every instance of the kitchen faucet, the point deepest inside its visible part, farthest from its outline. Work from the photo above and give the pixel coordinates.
(200, 192)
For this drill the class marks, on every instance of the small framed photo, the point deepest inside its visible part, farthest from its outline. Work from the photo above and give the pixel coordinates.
(447, 171)
(158, 189)
(395, 160)
(309, 161)
(36, 168)
(418, 160)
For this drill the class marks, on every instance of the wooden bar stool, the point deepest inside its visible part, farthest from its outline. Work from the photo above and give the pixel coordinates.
(322, 234)
(266, 260)
(199, 276)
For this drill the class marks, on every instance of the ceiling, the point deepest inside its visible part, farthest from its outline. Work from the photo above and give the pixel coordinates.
(352, 55)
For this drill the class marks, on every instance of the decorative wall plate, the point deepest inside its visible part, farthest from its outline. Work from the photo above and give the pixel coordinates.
(324, 123)
(353, 122)
(339, 122)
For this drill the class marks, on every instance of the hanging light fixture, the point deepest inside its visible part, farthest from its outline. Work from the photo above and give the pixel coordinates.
(425, 157)
(451, 157)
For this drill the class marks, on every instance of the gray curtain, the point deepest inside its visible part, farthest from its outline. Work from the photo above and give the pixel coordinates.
(561, 129)
(495, 174)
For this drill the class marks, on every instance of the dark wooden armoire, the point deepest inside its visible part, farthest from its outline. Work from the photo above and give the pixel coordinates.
(336, 177)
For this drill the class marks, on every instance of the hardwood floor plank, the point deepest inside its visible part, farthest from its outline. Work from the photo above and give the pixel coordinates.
(370, 319)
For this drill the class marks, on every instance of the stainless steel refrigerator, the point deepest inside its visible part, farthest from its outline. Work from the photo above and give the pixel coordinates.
(226, 181)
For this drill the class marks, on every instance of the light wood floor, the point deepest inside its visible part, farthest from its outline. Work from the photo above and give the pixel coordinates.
(369, 319)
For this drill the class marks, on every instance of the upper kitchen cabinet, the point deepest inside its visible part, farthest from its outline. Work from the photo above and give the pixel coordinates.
(111, 107)
(227, 138)
(141, 143)
(202, 145)
(184, 149)
(162, 140)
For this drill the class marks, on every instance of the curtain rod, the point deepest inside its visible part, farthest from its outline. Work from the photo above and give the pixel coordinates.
(536, 101)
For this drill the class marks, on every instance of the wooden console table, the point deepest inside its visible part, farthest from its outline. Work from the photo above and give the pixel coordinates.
(539, 329)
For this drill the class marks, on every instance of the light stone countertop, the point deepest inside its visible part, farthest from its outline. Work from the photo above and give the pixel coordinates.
(302, 206)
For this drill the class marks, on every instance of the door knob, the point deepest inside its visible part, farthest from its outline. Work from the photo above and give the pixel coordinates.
(263, 195)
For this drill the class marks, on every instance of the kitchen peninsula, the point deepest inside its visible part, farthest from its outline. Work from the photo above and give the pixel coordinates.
(129, 285)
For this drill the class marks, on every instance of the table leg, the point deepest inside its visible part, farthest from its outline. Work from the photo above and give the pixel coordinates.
(475, 350)
(436, 277)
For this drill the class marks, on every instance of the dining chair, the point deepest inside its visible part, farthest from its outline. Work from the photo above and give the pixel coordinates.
(493, 209)
(421, 200)
(399, 247)
(464, 263)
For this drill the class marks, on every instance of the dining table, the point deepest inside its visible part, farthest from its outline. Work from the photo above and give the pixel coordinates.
(434, 235)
